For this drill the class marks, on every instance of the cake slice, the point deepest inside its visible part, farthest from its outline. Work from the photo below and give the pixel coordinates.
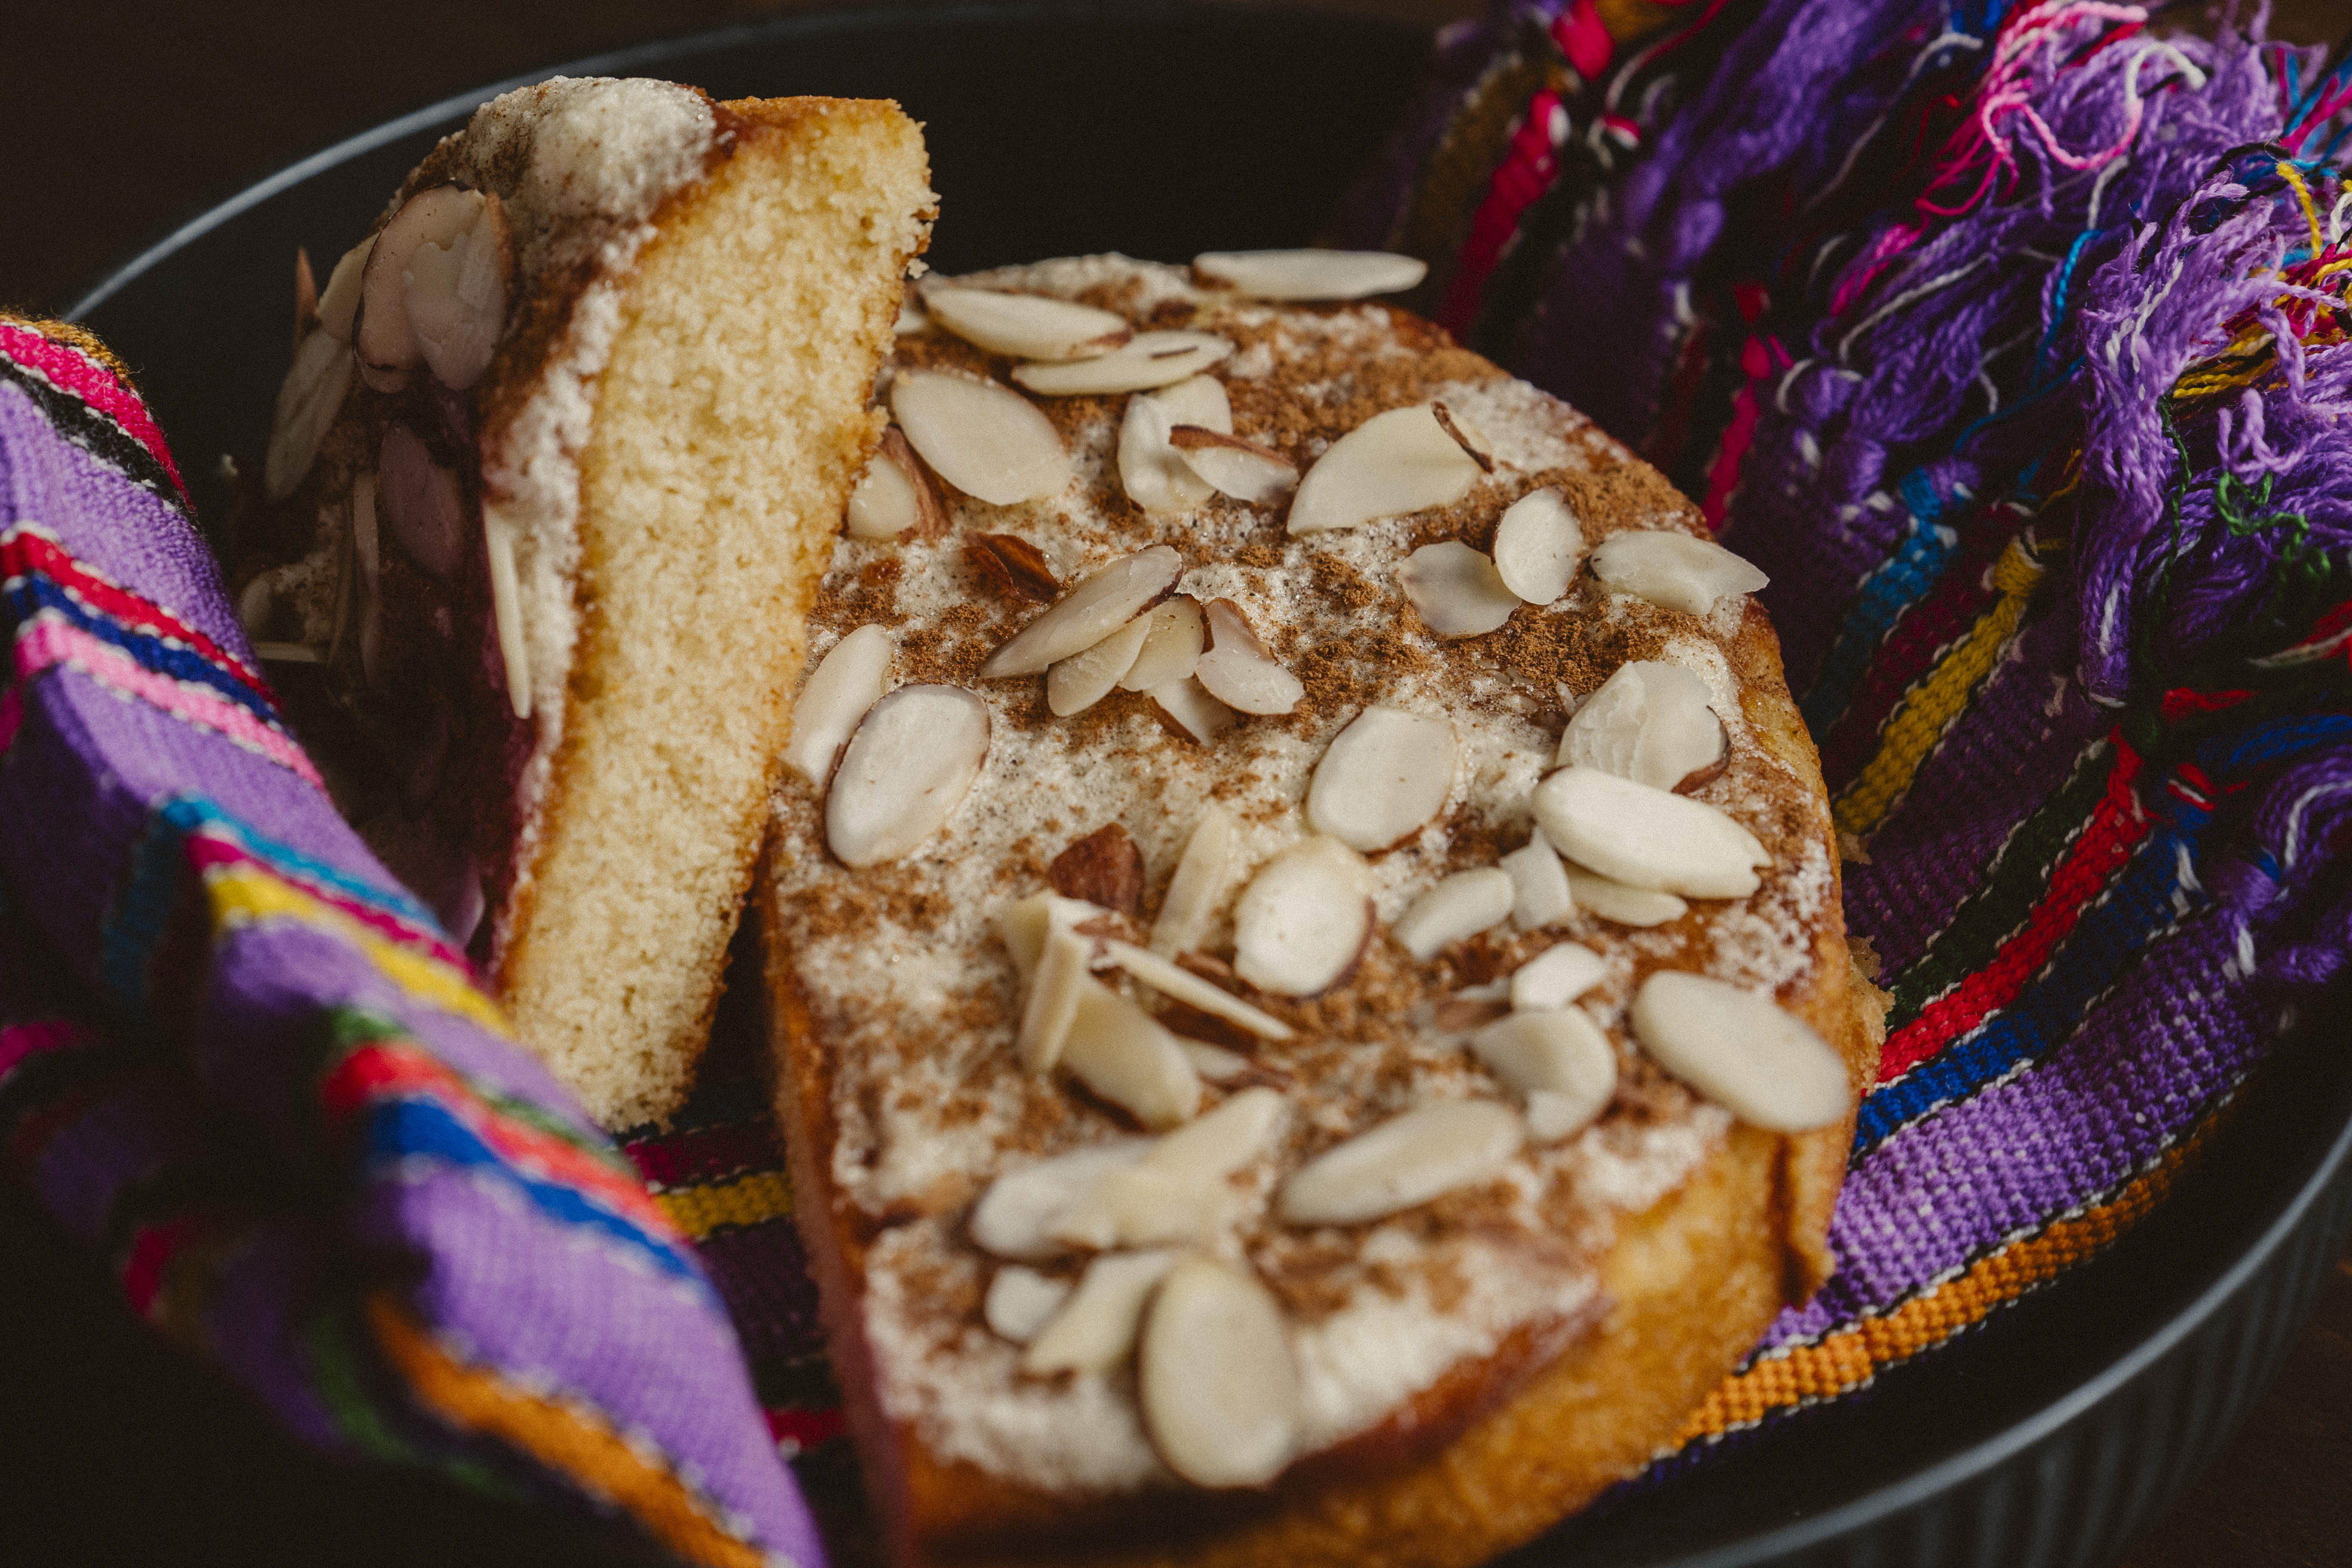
(1304, 931)
(549, 488)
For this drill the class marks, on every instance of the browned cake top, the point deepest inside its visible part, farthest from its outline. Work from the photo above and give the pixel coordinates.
(1484, 1242)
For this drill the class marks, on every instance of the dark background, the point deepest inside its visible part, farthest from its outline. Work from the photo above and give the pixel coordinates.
(120, 121)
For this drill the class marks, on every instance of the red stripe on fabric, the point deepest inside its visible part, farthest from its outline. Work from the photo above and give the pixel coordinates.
(33, 1134)
(2116, 828)
(206, 851)
(152, 1251)
(1526, 172)
(707, 1153)
(2181, 702)
(29, 550)
(70, 370)
(808, 1428)
(19, 1041)
(391, 1070)
(1759, 357)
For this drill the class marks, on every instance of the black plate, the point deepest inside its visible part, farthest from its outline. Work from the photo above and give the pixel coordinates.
(2046, 1437)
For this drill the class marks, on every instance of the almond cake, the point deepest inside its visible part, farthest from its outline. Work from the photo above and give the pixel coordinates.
(1303, 931)
(586, 403)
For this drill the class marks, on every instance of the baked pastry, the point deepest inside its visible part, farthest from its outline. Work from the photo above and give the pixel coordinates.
(549, 486)
(1226, 1129)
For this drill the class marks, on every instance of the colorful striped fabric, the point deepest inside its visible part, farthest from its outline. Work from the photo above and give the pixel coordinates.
(243, 1066)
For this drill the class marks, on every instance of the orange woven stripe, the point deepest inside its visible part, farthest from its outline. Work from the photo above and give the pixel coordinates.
(1849, 1358)
(564, 1439)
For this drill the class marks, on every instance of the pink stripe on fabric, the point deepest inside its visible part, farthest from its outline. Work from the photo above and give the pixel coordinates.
(50, 643)
(70, 370)
(20, 1041)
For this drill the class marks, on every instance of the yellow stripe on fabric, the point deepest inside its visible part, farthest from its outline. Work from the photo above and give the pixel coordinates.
(1929, 711)
(1845, 1360)
(747, 1200)
(565, 1439)
(2294, 176)
(243, 894)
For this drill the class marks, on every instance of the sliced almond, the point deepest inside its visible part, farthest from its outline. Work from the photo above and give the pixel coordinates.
(1301, 924)
(1559, 1061)
(1393, 463)
(1237, 670)
(1083, 679)
(1555, 977)
(1052, 1004)
(1214, 1063)
(1620, 905)
(1540, 893)
(307, 401)
(455, 293)
(1456, 589)
(1095, 1329)
(1021, 1301)
(1171, 648)
(985, 439)
(907, 769)
(1103, 868)
(340, 305)
(1013, 567)
(1763, 1063)
(1404, 1162)
(1649, 722)
(1100, 605)
(893, 495)
(1026, 326)
(1459, 1014)
(1647, 837)
(1310, 274)
(306, 295)
(1217, 1384)
(1177, 1191)
(1146, 361)
(1121, 1053)
(1385, 776)
(1198, 400)
(849, 680)
(1025, 924)
(1014, 1218)
(1240, 468)
(1538, 546)
(1455, 909)
(1204, 873)
(1194, 711)
(1673, 570)
(1182, 985)
(438, 216)
(1156, 478)
(1467, 435)
(911, 320)
(499, 532)
(424, 507)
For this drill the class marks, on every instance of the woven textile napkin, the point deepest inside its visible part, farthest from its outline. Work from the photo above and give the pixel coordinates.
(244, 1068)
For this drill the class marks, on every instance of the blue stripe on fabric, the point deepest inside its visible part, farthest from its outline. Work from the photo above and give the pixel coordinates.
(191, 814)
(1898, 584)
(33, 592)
(2272, 741)
(415, 1127)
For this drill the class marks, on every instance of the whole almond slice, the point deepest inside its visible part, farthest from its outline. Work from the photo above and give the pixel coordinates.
(1149, 469)
(1052, 1004)
(1182, 986)
(1144, 362)
(1455, 909)
(1237, 670)
(1013, 1218)
(849, 680)
(440, 217)
(1204, 873)
(1555, 977)
(1620, 905)
(1026, 326)
(1310, 274)
(1404, 1162)
(1763, 1063)
(1171, 648)
(908, 767)
(1649, 722)
(985, 439)
(1559, 1061)
(1083, 679)
(1673, 570)
(307, 401)
(339, 306)
(455, 293)
(1097, 1329)
(1215, 1378)
(1301, 924)
(1021, 1301)
(423, 508)
(1240, 468)
(1197, 713)
(1647, 837)
(1107, 600)
(1540, 893)
(1456, 589)
(1385, 776)
(1393, 463)
(1538, 546)
(1121, 1053)
(893, 495)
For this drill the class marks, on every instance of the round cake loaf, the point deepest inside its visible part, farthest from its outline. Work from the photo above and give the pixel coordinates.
(1314, 1016)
